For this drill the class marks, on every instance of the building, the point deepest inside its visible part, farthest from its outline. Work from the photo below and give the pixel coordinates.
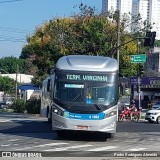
(150, 83)
(124, 7)
(152, 65)
(109, 5)
(21, 78)
(27, 91)
(149, 11)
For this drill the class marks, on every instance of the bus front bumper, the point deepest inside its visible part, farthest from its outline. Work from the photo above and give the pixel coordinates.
(105, 125)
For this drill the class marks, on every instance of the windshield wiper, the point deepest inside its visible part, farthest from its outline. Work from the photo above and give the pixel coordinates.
(98, 107)
(76, 97)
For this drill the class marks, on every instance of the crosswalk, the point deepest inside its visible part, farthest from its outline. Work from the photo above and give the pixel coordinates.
(63, 146)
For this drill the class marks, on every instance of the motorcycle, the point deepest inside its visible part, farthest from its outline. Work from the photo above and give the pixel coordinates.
(135, 116)
(125, 114)
(128, 114)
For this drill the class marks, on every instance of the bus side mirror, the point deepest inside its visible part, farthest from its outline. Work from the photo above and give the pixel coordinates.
(48, 85)
(51, 70)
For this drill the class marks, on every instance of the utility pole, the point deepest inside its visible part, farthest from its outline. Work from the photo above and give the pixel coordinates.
(17, 71)
(118, 35)
(138, 78)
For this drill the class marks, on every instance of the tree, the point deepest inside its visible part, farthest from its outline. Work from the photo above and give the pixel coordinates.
(9, 65)
(7, 84)
(157, 43)
(85, 33)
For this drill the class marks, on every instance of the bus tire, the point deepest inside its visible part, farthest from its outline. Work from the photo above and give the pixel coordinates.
(110, 135)
(107, 135)
(61, 133)
(49, 118)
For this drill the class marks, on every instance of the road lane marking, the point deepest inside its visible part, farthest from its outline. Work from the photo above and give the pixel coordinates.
(40, 146)
(136, 149)
(13, 140)
(102, 148)
(5, 145)
(3, 120)
(67, 148)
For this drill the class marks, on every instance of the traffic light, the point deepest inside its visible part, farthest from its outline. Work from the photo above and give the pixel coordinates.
(152, 39)
(149, 39)
(140, 69)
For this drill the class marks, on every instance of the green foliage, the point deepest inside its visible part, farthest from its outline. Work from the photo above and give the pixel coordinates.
(19, 106)
(7, 84)
(86, 33)
(9, 65)
(37, 80)
(157, 43)
(33, 106)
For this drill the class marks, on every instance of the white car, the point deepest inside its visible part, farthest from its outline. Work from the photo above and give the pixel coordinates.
(153, 115)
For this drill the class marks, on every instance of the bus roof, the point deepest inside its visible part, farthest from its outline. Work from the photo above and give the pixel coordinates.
(87, 63)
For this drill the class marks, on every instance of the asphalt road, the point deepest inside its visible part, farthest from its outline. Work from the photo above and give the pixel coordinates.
(31, 124)
(30, 133)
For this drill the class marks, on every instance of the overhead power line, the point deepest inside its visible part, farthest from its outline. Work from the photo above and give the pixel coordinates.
(11, 40)
(10, 1)
(6, 29)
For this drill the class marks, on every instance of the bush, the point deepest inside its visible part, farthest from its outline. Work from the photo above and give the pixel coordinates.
(19, 106)
(33, 106)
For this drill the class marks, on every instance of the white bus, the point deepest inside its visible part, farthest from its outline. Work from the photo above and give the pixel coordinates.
(82, 94)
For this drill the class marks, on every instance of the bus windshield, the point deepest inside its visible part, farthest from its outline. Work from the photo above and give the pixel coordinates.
(88, 93)
(101, 94)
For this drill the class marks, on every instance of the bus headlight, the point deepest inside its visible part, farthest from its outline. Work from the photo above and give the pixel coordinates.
(57, 111)
(110, 114)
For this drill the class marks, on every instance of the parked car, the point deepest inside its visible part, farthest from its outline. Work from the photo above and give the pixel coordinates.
(3, 105)
(153, 115)
(9, 102)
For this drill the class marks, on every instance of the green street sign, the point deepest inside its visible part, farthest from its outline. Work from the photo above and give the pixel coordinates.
(138, 58)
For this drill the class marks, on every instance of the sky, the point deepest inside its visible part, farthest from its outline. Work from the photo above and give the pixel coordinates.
(20, 17)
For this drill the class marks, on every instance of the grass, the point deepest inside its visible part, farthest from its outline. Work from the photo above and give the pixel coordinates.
(6, 110)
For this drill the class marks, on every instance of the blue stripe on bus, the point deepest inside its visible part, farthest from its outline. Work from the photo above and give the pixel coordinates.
(98, 116)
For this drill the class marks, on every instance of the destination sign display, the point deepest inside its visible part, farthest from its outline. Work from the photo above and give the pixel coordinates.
(82, 77)
(87, 77)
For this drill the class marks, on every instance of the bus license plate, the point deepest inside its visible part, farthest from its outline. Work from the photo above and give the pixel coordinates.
(82, 127)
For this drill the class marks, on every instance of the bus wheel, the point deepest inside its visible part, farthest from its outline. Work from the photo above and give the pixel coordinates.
(110, 135)
(61, 133)
(49, 120)
(107, 135)
(49, 117)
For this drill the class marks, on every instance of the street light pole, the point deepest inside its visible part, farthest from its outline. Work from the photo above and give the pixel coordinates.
(17, 70)
(118, 35)
(138, 78)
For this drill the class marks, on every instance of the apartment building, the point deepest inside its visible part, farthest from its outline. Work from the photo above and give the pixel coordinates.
(149, 11)
(125, 6)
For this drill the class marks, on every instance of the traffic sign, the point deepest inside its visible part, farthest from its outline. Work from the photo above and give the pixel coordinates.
(138, 58)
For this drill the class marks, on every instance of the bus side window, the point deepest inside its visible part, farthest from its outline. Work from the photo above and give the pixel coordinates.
(48, 85)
